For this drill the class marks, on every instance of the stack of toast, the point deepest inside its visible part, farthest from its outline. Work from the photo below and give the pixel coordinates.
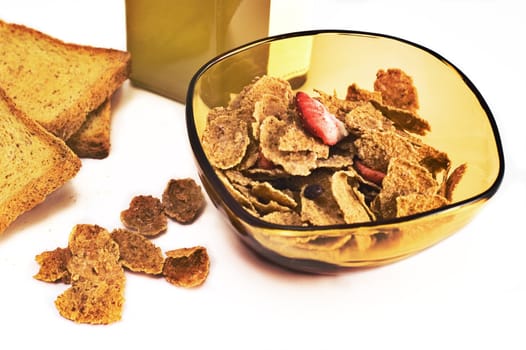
(55, 107)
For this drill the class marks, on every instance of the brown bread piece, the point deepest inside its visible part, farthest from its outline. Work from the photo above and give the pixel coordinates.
(92, 140)
(57, 83)
(34, 163)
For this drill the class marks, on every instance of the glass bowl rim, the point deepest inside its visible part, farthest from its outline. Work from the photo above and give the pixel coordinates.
(241, 213)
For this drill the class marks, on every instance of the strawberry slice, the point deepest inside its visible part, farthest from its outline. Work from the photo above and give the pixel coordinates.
(375, 176)
(263, 162)
(318, 120)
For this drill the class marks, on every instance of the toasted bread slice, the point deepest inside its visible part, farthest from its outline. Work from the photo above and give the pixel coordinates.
(92, 140)
(54, 82)
(34, 163)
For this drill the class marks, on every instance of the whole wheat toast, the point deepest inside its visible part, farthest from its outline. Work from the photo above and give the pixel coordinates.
(92, 139)
(57, 83)
(33, 162)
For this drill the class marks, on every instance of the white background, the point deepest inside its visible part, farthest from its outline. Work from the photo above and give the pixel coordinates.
(465, 293)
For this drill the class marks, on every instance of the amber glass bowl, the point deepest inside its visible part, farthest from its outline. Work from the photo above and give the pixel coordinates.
(462, 126)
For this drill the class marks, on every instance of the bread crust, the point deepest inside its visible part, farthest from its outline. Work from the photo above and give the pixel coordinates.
(92, 139)
(63, 93)
(34, 162)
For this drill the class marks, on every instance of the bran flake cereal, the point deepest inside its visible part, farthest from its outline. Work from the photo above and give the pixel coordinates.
(145, 215)
(96, 295)
(93, 262)
(137, 253)
(186, 267)
(351, 160)
(53, 265)
(183, 200)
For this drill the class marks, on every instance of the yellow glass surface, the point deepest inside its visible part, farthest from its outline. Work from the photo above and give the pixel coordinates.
(461, 125)
(170, 39)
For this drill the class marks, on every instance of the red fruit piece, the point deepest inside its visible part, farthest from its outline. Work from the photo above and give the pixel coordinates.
(318, 120)
(263, 162)
(369, 174)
